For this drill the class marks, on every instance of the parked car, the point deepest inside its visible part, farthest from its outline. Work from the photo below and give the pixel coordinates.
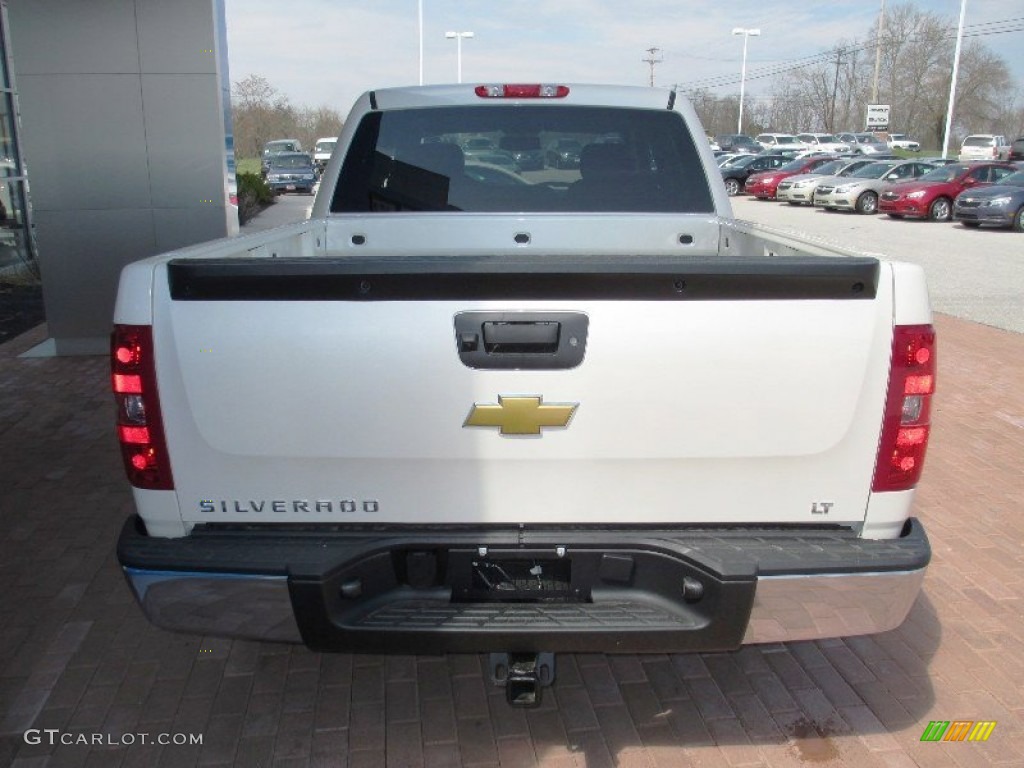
(322, 152)
(765, 184)
(799, 189)
(936, 160)
(736, 173)
(496, 157)
(276, 147)
(1017, 149)
(477, 145)
(290, 172)
(902, 141)
(738, 142)
(931, 196)
(859, 191)
(525, 150)
(563, 153)
(733, 158)
(775, 141)
(1001, 204)
(823, 142)
(984, 146)
(869, 144)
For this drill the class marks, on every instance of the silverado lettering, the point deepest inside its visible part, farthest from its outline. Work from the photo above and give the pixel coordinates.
(302, 505)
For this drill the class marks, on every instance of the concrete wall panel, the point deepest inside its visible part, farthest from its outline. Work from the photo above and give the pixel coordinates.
(180, 227)
(84, 36)
(86, 251)
(176, 36)
(183, 170)
(84, 141)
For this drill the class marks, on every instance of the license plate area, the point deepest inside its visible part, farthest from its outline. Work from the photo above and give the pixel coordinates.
(513, 577)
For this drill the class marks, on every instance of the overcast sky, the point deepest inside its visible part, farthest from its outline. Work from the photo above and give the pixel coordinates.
(327, 52)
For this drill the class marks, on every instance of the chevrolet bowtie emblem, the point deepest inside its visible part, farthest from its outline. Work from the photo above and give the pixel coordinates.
(520, 415)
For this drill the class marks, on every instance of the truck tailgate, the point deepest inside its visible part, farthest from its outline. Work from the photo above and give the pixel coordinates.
(707, 391)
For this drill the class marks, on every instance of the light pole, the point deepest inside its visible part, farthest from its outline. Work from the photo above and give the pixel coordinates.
(743, 72)
(458, 43)
(952, 80)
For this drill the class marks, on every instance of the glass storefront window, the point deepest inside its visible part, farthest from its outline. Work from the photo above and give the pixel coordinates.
(8, 154)
(16, 245)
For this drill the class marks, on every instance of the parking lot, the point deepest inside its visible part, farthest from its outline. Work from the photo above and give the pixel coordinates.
(972, 274)
(78, 658)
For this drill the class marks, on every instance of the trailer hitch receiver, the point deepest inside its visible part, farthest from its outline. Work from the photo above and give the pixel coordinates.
(524, 675)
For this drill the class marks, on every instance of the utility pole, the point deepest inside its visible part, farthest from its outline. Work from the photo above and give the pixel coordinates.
(652, 61)
(878, 53)
(835, 90)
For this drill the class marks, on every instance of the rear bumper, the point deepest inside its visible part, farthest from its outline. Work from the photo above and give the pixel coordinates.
(291, 186)
(404, 590)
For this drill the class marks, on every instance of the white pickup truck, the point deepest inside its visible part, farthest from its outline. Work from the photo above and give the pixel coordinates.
(471, 408)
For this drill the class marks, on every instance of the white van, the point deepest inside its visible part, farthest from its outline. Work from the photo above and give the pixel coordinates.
(985, 146)
(322, 151)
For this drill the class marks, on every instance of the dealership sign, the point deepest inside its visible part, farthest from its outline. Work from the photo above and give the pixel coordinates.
(878, 117)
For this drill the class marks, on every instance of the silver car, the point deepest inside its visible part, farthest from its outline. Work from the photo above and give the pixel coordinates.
(799, 189)
(859, 191)
(825, 142)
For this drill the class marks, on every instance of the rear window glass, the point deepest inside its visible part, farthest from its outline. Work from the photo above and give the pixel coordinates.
(590, 159)
(979, 141)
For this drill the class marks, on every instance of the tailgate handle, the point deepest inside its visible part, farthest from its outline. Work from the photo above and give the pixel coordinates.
(521, 340)
(539, 338)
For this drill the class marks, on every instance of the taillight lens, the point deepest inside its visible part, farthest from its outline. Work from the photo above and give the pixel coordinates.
(522, 91)
(139, 426)
(907, 422)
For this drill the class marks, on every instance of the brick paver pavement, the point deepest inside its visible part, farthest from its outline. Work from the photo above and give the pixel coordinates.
(77, 655)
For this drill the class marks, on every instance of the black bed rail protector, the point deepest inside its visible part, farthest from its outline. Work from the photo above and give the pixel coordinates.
(631, 278)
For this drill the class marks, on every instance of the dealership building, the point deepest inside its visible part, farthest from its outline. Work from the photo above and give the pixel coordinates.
(115, 145)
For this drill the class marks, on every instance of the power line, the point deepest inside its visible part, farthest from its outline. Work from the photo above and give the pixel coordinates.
(783, 66)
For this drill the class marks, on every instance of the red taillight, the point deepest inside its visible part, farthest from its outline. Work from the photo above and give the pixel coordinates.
(522, 91)
(139, 426)
(907, 421)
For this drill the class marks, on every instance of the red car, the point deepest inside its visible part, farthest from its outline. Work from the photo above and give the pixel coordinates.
(764, 185)
(931, 196)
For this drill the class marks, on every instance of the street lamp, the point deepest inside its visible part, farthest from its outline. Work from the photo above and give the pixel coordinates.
(743, 73)
(458, 42)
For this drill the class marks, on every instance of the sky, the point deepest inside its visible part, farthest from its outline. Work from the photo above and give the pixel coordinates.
(328, 52)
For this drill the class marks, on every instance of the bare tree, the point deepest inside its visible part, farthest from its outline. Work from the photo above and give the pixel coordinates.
(317, 123)
(832, 92)
(260, 113)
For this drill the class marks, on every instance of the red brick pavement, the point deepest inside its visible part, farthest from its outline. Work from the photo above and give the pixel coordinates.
(76, 654)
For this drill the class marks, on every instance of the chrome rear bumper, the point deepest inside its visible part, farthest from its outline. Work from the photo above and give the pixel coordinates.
(357, 591)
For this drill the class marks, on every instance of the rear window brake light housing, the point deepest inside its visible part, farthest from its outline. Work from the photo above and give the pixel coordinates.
(522, 91)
